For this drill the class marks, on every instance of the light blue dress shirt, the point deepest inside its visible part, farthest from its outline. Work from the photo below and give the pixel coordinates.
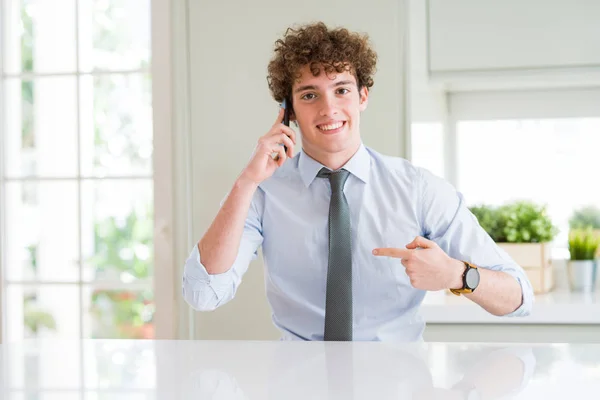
(391, 202)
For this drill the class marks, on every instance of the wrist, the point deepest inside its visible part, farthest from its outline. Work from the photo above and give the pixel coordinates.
(244, 182)
(456, 277)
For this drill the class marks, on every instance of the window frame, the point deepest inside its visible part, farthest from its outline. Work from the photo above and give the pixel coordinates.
(2, 311)
(160, 71)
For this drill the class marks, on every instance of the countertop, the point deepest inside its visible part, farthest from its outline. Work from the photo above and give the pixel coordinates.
(135, 370)
(556, 307)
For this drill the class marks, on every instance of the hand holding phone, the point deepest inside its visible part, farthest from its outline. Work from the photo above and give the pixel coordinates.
(273, 149)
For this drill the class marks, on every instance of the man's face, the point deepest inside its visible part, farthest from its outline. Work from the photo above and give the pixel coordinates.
(327, 108)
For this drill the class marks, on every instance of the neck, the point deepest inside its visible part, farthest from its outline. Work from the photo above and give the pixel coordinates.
(333, 161)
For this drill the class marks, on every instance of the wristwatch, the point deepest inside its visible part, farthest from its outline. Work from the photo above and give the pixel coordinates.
(470, 279)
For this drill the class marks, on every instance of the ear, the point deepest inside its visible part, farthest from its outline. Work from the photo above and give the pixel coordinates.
(363, 98)
(293, 118)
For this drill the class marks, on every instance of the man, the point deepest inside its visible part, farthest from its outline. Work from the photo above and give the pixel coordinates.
(351, 239)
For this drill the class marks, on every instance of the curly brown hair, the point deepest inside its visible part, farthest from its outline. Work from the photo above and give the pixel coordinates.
(316, 45)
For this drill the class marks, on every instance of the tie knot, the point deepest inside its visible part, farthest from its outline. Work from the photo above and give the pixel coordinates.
(336, 178)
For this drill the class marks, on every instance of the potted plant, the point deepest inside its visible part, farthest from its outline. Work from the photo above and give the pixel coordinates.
(524, 230)
(583, 245)
(587, 217)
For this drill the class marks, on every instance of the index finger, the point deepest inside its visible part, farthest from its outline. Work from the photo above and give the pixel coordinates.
(279, 119)
(392, 252)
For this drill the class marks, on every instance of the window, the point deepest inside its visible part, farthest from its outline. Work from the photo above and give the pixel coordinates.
(539, 145)
(550, 161)
(76, 179)
(427, 146)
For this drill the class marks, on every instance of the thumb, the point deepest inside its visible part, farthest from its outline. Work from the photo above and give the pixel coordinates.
(420, 241)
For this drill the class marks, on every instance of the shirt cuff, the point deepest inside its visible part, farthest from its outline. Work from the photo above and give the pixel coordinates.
(526, 293)
(197, 279)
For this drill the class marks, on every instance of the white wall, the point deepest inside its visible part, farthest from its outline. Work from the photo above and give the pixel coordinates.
(230, 45)
(468, 35)
(513, 44)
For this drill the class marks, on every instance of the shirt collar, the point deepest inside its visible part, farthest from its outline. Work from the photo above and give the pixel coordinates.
(359, 165)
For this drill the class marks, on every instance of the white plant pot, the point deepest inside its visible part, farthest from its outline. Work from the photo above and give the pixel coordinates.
(582, 275)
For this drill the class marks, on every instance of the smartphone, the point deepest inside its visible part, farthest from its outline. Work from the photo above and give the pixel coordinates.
(286, 115)
(287, 106)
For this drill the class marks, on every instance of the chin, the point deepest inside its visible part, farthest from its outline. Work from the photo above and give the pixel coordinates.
(332, 143)
(336, 146)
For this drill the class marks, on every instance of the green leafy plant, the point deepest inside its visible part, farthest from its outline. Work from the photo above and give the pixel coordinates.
(34, 318)
(588, 216)
(583, 244)
(519, 221)
(112, 235)
(124, 245)
(27, 63)
(527, 222)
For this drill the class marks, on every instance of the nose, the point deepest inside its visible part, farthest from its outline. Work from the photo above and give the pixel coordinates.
(328, 106)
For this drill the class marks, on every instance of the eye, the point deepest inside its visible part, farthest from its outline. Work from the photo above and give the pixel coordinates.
(305, 97)
(343, 91)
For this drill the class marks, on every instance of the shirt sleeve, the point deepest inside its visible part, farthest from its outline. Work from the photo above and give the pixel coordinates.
(446, 219)
(206, 292)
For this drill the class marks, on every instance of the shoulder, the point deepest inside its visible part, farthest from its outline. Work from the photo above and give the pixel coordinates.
(406, 173)
(395, 166)
(285, 175)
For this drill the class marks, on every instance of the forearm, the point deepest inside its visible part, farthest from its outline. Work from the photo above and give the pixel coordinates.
(498, 292)
(219, 246)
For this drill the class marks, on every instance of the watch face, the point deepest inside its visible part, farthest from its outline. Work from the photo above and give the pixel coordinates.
(472, 278)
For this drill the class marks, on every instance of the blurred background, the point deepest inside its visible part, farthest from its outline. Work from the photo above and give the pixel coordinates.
(77, 181)
(123, 124)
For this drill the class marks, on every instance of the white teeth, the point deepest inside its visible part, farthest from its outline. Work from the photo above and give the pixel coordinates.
(330, 127)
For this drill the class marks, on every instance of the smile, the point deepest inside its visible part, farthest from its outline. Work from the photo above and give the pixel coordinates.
(332, 128)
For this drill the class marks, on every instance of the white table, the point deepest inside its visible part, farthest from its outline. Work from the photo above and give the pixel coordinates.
(132, 370)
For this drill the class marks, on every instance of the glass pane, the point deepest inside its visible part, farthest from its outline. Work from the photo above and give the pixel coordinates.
(550, 161)
(111, 365)
(119, 314)
(428, 147)
(114, 34)
(41, 225)
(44, 364)
(39, 36)
(117, 230)
(41, 127)
(44, 311)
(116, 125)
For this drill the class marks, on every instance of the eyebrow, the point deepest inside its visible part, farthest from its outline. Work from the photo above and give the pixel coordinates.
(313, 87)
